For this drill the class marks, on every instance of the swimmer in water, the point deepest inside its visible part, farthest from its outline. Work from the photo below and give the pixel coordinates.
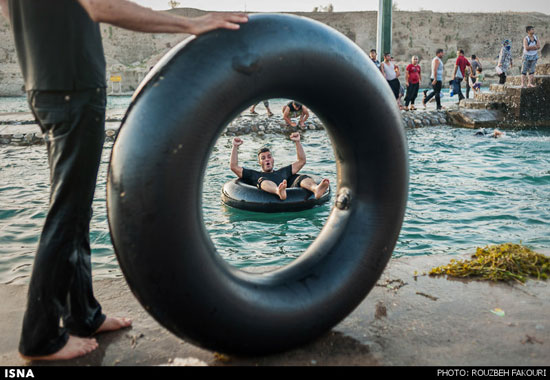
(277, 181)
(496, 133)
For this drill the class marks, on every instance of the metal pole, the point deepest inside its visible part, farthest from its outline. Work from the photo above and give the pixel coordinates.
(383, 40)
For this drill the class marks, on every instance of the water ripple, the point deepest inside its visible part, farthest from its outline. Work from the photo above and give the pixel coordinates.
(465, 191)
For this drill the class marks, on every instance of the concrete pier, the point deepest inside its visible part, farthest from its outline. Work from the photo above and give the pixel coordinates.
(508, 106)
(408, 319)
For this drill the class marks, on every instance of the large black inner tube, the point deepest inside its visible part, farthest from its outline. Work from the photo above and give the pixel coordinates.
(238, 194)
(160, 156)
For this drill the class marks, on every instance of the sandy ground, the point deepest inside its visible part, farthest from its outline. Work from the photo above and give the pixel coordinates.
(406, 320)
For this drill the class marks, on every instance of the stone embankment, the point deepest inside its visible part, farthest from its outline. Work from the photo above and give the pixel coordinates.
(508, 105)
(21, 129)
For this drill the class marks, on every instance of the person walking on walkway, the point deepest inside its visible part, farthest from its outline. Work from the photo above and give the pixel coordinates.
(475, 64)
(436, 78)
(531, 45)
(459, 73)
(391, 73)
(413, 77)
(60, 52)
(504, 61)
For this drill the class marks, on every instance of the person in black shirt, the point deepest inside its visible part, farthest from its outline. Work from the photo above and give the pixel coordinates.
(295, 109)
(60, 52)
(277, 181)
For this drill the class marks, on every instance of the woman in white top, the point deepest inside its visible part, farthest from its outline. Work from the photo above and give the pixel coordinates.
(391, 72)
(530, 55)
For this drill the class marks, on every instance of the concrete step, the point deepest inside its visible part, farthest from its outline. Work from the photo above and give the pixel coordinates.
(542, 69)
(473, 104)
(495, 87)
(538, 80)
(493, 97)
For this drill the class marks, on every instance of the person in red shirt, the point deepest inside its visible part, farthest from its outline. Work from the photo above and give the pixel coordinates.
(459, 73)
(413, 76)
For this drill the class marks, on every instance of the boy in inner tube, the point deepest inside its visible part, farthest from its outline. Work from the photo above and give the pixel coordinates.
(277, 181)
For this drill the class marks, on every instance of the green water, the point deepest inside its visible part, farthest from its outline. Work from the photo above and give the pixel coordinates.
(465, 191)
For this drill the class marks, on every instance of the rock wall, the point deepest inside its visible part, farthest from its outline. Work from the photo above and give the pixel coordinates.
(509, 105)
(130, 54)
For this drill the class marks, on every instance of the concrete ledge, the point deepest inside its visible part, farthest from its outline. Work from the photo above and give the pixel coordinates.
(476, 118)
(405, 320)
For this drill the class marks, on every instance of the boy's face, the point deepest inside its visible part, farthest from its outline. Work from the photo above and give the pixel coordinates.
(266, 161)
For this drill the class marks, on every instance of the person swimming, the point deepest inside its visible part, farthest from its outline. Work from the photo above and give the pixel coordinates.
(483, 132)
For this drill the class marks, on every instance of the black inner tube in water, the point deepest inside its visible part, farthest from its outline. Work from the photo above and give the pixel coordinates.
(160, 156)
(238, 194)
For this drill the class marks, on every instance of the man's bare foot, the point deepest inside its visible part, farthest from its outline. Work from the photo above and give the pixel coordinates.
(74, 348)
(321, 188)
(281, 190)
(113, 324)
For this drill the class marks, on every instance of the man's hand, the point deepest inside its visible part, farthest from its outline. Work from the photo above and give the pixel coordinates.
(237, 142)
(295, 136)
(211, 21)
(129, 15)
(234, 160)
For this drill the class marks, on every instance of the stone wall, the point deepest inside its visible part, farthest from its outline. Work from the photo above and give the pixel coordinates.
(414, 33)
(510, 105)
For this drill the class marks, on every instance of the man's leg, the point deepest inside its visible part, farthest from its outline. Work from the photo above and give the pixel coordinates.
(266, 105)
(437, 91)
(317, 189)
(459, 89)
(502, 79)
(74, 144)
(408, 96)
(61, 282)
(253, 108)
(531, 77)
(414, 93)
(271, 187)
(430, 95)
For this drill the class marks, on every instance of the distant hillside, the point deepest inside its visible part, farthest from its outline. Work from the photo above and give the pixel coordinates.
(130, 55)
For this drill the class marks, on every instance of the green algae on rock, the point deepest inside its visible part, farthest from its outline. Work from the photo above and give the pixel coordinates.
(502, 262)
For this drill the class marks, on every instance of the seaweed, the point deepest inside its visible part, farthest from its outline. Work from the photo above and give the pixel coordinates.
(502, 262)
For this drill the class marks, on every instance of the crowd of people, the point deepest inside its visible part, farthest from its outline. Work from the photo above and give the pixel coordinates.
(468, 71)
